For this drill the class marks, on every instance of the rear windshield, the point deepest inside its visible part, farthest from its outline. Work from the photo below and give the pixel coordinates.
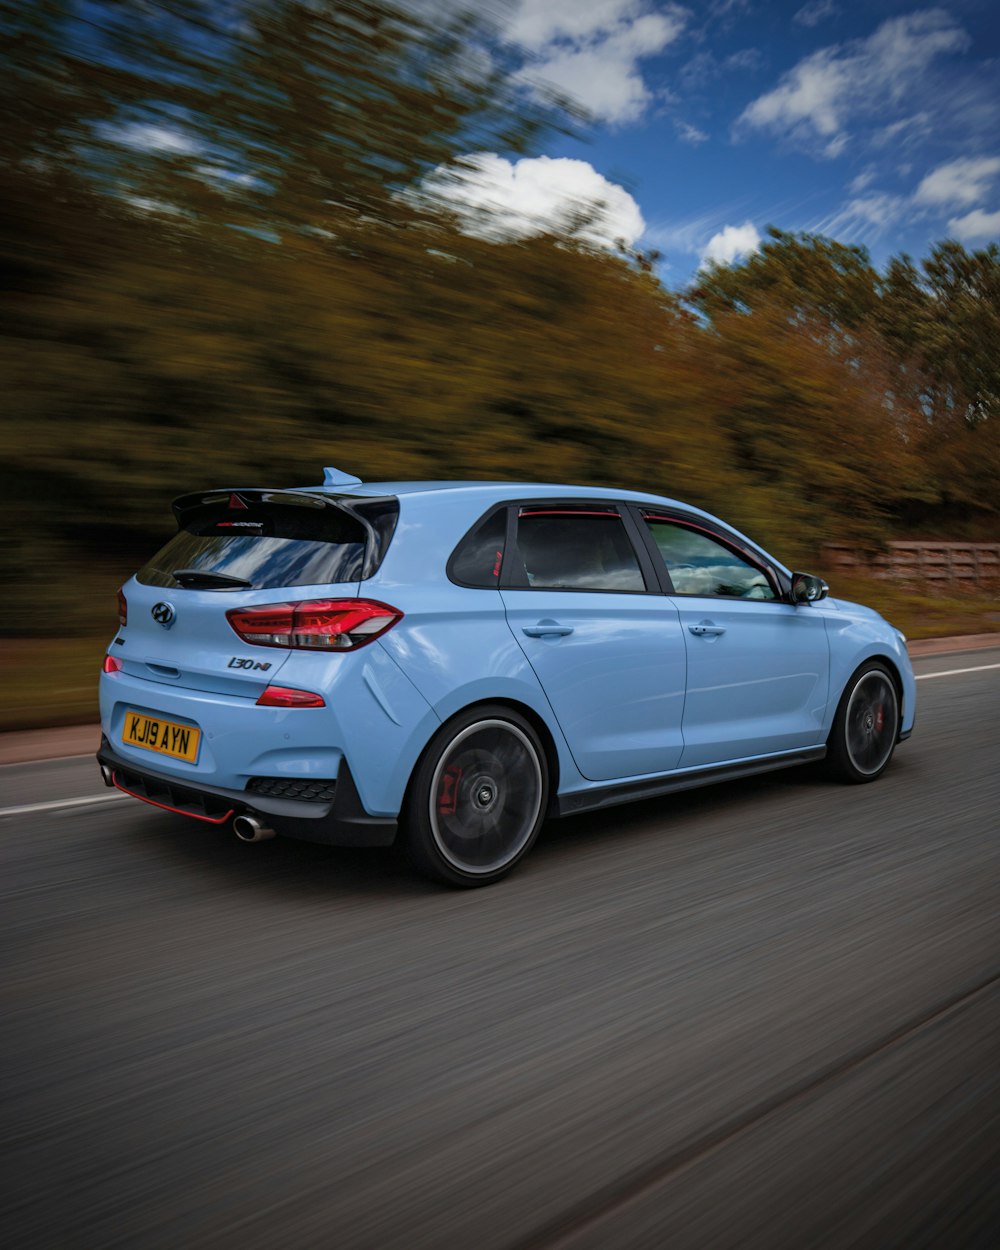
(271, 545)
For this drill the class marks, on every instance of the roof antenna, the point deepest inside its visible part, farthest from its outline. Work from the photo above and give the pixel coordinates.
(334, 477)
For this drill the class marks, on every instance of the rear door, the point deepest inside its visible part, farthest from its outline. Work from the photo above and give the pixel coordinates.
(603, 641)
(235, 550)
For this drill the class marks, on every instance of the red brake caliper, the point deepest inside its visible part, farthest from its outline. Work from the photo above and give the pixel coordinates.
(879, 718)
(447, 799)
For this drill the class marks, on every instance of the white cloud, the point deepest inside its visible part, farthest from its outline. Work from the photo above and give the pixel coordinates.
(975, 227)
(538, 23)
(143, 204)
(906, 132)
(745, 58)
(811, 94)
(815, 12)
(151, 138)
(819, 95)
(687, 236)
(879, 209)
(731, 243)
(496, 199)
(689, 134)
(592, 49)
(723, 9)
(865, 217)
(704, 67)
(835, 147)
(959, 183)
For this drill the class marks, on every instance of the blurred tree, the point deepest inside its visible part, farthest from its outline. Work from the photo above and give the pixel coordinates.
(815, 409)
(812, 424)
(934, 333)
(805, 273)
(946, 316)
(943, 322)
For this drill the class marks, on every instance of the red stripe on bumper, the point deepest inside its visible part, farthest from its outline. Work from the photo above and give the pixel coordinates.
(211, 820)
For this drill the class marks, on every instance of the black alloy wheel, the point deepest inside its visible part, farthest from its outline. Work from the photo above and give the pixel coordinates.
(866, 727)
(477, 798)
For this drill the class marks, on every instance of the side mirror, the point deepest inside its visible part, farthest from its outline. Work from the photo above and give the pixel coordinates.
(808, 589)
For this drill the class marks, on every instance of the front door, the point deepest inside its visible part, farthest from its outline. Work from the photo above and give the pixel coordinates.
(758, 668)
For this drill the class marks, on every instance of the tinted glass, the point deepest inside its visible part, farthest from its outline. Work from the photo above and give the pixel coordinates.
(565, 550)
(479, 556)
(271, 545)
(699, 565)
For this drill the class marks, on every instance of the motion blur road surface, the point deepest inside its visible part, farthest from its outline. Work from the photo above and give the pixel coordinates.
(765, 1015)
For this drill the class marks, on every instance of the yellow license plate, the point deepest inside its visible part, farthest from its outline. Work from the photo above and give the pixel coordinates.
(165, 736)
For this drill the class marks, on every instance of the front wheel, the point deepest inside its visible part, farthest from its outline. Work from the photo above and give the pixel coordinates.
(477, 798)
(866, 726)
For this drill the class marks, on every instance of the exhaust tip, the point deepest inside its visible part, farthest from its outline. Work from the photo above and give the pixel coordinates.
(107, 776)
(250, 828)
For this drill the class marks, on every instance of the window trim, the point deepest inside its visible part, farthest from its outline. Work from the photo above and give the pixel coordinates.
(700, 525)
(651, 563)
(581, 505)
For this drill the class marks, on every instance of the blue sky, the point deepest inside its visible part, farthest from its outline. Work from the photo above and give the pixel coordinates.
(876, 123)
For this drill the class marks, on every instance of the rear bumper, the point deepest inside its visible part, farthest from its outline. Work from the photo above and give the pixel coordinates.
(337, 821)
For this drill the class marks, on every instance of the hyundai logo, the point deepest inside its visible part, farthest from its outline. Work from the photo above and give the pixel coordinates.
(163, 614)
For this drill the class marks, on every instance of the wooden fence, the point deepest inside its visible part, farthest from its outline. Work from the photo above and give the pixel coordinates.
(959, 563)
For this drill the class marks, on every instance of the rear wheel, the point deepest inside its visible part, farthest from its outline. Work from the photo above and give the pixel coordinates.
(477, 798)
(866, 726)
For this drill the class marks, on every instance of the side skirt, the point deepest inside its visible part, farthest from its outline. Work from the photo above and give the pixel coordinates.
(630, 791)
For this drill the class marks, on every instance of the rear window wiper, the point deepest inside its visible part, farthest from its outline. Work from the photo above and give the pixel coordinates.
(201, 579)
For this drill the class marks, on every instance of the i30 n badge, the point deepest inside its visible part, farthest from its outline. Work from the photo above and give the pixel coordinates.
(450, 664)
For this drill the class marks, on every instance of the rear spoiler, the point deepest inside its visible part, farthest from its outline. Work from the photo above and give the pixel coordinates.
(240, 498)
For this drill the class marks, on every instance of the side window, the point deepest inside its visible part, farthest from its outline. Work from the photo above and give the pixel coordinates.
(478, 558)
(701, 565)
(575, 549)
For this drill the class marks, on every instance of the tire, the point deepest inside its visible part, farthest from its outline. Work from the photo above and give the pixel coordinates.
(477, 798)
(866, 726)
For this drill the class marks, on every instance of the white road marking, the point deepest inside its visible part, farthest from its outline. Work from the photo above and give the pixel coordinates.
(953, 672)
(51, 807)
(29, 808)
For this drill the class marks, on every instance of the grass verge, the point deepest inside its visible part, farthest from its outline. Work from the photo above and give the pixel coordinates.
(48, 682)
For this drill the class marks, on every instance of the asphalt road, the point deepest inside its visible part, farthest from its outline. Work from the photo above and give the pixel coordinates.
(760, 1015)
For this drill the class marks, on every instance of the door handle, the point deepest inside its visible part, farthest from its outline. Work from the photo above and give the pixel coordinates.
(706, 628)
(547, 629)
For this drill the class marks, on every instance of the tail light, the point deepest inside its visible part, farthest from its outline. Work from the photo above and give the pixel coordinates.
(315, 624)
(112, 664)
(284, 696)
(122, 608)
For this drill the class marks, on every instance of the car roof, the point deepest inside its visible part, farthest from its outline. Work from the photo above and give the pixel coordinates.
(488, 492)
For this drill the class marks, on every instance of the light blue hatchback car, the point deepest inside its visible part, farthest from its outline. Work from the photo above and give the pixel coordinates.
(453, 662)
